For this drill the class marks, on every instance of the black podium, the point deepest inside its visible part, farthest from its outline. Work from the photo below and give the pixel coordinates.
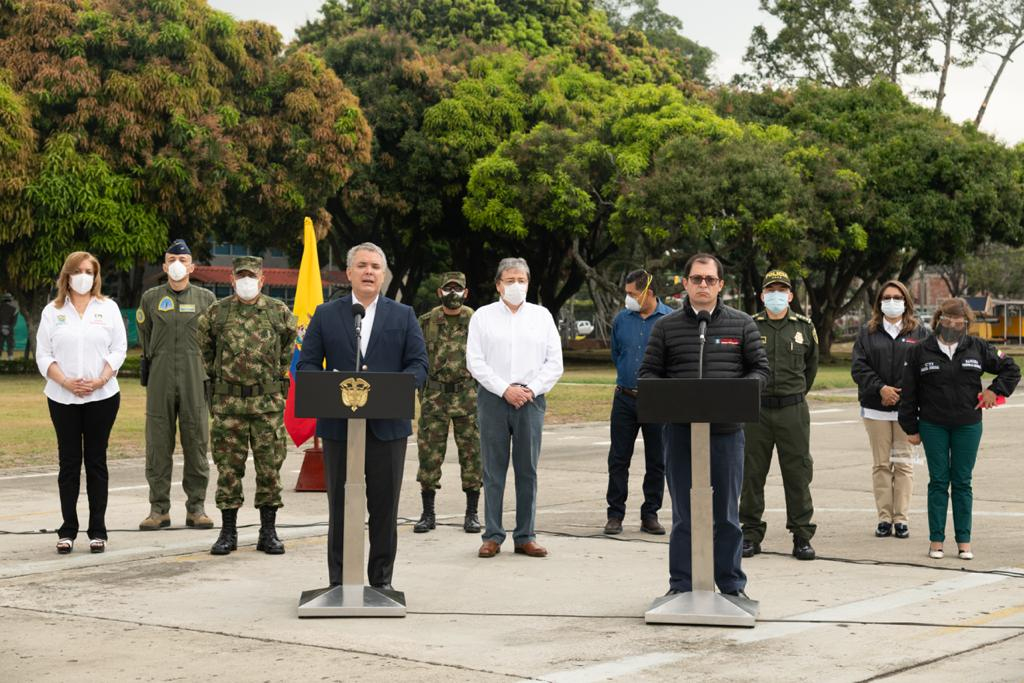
(700, 402)
(356, 397)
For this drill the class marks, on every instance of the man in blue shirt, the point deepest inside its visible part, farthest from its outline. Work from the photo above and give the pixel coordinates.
(630, 331)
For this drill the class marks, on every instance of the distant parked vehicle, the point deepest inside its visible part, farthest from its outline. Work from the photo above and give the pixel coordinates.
(584, 327)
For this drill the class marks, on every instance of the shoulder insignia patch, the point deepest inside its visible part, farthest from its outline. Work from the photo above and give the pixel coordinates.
(814, 334)
(140, 315)
(166, 304)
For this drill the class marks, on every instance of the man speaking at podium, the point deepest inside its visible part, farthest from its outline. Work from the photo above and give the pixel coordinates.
(391, 341)
(732, 349)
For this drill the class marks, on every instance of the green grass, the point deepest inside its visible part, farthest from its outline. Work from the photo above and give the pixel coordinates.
(28, 436)
(584, 394)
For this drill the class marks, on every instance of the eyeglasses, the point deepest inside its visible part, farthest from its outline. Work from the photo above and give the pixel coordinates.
(957, 324)
(892, 298)
(452, 287)
(709, 280)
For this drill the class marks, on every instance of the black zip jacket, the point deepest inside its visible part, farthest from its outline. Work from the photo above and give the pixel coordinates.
(732, 349)
(945, 392)
(878, 361)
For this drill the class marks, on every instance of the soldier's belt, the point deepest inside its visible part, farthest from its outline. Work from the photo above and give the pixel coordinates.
(249, 390)
(781, 401)
(450, 387)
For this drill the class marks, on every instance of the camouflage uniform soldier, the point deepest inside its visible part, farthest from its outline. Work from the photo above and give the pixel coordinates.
(792, 345)
(174, 377)
(246, 341)
(449, 396)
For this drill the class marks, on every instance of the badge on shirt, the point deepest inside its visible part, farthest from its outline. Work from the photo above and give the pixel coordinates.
(187, 308)
(930, 366)
(731, 341)
(62, 320)
(764, 340)
(140, 315)
(166, 304)
(97, 318)
(798, 337)
(971, 364)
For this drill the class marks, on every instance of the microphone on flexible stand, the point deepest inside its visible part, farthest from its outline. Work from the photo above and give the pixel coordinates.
(703, 318)
(358, 311)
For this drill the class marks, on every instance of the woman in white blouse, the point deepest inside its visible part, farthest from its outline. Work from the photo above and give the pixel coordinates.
(79, 348)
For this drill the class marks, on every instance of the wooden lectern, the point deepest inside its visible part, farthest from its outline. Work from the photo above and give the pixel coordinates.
(356, 397)
(700, 402)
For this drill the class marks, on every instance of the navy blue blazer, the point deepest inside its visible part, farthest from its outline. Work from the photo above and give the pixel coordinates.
(396, 345)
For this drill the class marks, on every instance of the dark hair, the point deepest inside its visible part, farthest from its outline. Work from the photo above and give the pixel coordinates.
(703, 258)
(909, 319)
(953, 307)
(641, 278)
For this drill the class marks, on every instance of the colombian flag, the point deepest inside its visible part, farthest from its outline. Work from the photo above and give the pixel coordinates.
(309, 293)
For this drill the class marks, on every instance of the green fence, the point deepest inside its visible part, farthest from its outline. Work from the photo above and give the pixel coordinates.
(128, 314)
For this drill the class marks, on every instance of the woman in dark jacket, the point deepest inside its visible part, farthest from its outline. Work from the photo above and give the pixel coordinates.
(941, 407)
(878, 356)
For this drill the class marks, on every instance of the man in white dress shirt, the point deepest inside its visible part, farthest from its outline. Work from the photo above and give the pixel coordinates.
(515, 353)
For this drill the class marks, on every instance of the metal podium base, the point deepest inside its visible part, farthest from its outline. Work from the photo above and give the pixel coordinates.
(702, 607)
(351, 601)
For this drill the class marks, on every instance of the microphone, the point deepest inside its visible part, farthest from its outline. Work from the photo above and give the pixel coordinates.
(358, 311)
(703, 318)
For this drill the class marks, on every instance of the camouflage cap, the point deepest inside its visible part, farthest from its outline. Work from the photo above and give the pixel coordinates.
(251, 263)
(453, 276)
(776, 277)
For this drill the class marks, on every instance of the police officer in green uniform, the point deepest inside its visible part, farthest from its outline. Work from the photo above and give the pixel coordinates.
(792, 345)
(174, 378)
(246, 340)
(448, 397)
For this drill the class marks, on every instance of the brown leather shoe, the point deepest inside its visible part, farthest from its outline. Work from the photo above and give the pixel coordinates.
(532, 549)
(614, 526)
(488, 549)
(651, 525)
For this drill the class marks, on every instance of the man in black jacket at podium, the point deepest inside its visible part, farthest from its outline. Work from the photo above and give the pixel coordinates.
(733, 349)
(391, 341)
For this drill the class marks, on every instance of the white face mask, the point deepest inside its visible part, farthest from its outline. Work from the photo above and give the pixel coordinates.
(81, 283)
(515, 293)
(247, 288)
(632, 304)
(893, 309)
(177, 271)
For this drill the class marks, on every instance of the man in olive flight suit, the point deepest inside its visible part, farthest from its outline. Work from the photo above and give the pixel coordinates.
(449, 396)
(246, 340)
(792, 345)
(174, 378)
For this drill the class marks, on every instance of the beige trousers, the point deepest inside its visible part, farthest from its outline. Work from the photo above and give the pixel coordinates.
(893, 482)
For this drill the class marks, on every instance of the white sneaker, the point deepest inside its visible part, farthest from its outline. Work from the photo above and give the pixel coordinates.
(935, 553)
(965, 555)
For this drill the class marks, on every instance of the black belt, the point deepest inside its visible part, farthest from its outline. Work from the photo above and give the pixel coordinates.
(249, 390)
(781, 401)
(449, 387)
(628, 392)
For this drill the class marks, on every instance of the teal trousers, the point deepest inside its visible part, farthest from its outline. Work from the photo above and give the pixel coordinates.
(951, 452)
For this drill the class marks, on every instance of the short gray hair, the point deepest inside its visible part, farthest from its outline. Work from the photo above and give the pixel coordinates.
(365, 246)
(511, 263)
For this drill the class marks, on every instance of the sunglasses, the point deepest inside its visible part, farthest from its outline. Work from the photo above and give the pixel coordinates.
(709, 280)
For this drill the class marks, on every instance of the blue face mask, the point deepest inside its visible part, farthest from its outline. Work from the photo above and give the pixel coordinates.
(776, 302)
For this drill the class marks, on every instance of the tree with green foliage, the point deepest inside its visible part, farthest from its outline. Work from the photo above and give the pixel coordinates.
(169, 116)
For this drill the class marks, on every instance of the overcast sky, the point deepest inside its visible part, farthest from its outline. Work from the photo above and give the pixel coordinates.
(724, 26)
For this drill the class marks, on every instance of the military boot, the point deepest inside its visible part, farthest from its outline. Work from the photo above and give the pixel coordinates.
(471, 525)
(427, 519)
(269, 542)
(198, 520)
(228, 539)
(155, 520)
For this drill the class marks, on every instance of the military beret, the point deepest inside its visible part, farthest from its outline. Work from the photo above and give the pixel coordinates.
(776, 277)
(253, 264)
(453, 276)
(178, 247)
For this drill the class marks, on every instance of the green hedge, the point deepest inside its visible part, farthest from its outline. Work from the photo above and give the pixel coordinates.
(27, 366)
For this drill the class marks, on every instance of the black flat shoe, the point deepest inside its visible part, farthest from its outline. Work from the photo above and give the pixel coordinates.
(737, 594)
(884, 529)
(902, 530)
(802, 549)
(751, 548)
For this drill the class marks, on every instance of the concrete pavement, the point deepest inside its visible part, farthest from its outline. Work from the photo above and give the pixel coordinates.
(157, 606)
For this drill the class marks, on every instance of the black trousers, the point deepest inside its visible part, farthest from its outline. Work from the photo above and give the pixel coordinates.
(624, 428)
(83, 430)
(385, 462)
